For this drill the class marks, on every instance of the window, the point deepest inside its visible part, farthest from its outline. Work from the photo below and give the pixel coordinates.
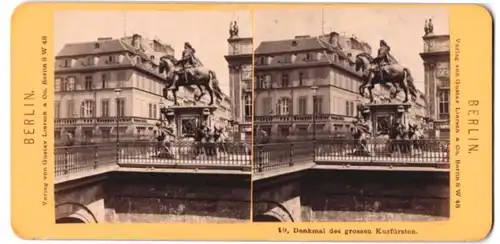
(57, 85)
(111, 59)
(104, 79)
(150, 110)
(301, 79)
(347, 106)
(88, 82)
(282, 107)
(87, 109)
(302, 105)
(266, 105)
(57, 110)
(155, 112)
(318, 105)
(248, 105)
(105, 108)
(120, 107)
(287, 59)
(67, 63)
(263, 60)
(284, 80)
(70, 106)
(265, 81)
(311, 57)
(444, 103)
(90, 60)
(69, 84)
(351, 109)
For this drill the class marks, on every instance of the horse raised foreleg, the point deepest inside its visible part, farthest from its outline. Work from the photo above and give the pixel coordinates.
(174, 92)
(404, 84)
(370, 93)
(210, 92)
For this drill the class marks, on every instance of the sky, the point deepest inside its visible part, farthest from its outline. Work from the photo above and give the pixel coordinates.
(207, 31)
(401, 28)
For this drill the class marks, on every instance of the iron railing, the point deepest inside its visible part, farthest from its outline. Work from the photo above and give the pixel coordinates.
(235, 154)
(74, 159)
(275, 156)
(376, 152)
(384, 151)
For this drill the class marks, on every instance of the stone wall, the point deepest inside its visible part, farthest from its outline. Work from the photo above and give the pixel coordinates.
(122, 197)
(350, 195)
(161, 198)
(356, 195)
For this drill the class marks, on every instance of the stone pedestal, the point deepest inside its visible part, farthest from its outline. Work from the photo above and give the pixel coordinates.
(183, 117)
(376, 113)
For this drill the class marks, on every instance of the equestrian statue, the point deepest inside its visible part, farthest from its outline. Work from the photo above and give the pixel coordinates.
(382, 70)
(188, 71)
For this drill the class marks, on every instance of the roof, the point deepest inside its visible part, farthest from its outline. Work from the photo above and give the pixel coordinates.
(296, 45)
(86, 48)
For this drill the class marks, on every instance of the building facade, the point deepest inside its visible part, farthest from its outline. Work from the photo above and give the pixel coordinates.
(285, 70)
(86, 76)
(239, 60)
(436, 57)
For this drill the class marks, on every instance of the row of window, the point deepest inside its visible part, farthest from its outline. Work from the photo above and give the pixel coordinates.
(91, 60)
(71, 83)
(284, 106)
(88, 108)
(343, 81)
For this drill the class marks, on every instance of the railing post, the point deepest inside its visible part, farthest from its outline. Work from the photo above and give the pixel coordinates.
(65, 160)
(96, 156)
(291, 153)
(260, 159)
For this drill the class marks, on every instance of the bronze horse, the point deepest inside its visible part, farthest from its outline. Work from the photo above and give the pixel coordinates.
(200, 76)
(396, 74)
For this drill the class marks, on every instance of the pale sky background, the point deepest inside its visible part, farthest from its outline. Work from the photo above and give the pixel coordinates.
(401, 28)
(207, 31)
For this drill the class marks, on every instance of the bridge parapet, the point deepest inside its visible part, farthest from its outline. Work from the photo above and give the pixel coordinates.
(95, 159)
(375, 152)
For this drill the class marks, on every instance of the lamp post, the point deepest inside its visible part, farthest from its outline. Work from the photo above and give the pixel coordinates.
(161, 106)
(314, 89)
(117, 93)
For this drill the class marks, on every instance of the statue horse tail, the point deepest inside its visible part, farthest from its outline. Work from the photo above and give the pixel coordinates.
(215, 84)
(411, 84)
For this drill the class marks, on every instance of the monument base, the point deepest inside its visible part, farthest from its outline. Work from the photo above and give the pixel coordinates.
(382, 115)
(187, 119)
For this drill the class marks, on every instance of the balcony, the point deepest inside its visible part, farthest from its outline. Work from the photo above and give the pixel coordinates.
(102, 121)
(297, 118)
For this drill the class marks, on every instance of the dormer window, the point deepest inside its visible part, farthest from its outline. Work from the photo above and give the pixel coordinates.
(152, 57)
(96, 45)
(294, 43)
(67, 63)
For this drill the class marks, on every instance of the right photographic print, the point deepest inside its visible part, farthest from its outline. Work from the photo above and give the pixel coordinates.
(351, 114)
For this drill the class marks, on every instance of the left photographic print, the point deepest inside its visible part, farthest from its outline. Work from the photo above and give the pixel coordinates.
(147, 124)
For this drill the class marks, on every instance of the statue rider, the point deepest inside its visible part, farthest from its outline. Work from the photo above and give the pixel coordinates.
(382, 58)
(187, 58)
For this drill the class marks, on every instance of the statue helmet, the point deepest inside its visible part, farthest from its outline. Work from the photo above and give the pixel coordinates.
(187, 44)
(382, 42)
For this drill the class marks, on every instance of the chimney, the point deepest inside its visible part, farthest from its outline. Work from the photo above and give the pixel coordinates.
(137, 41)
(302, 37)
(101, 39)
(334, 39)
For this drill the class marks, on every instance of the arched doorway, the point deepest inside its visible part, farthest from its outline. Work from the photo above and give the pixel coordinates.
(265, 218)
(69, 220)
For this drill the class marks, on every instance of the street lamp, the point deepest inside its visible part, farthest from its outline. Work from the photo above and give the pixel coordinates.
(314, 89)
(117, 93)
(161, 106)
